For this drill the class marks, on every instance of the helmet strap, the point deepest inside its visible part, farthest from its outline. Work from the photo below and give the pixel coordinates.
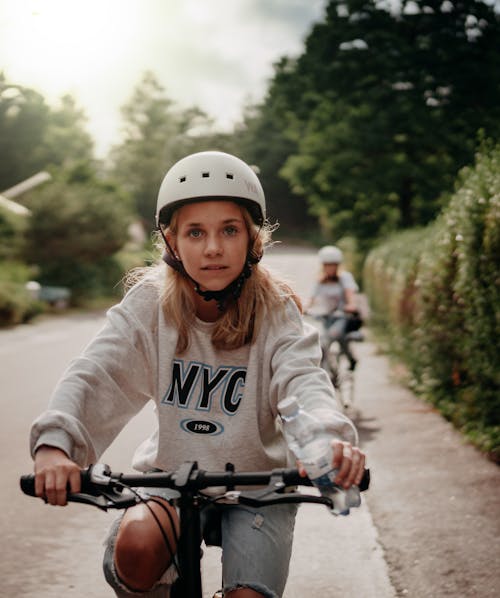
(231, 292)
(169, 256)
(333, 278)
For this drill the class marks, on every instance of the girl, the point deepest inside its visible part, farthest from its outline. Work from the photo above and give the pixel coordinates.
(211, 336)
(335, 298)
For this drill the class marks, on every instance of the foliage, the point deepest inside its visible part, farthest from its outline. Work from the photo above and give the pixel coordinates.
(16, 303)
(78, 223)
(65, 140)
(155, 136)
(383, 110)
(34, 136)
(23, 118)
(436, 292)
(389, 277)
(460, 299)
(263, 139)
(11, 233)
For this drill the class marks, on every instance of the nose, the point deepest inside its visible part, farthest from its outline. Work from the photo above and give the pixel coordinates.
(213, 246)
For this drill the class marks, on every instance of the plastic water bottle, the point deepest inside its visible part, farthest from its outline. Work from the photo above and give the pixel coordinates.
(310, 442)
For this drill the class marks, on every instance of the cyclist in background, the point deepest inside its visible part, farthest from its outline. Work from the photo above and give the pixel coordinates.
(215, 341)
(334, 298)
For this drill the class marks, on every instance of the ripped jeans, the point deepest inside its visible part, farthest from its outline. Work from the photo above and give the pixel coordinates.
(256, 549)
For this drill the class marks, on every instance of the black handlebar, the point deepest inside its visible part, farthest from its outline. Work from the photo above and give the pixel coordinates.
(105, 489)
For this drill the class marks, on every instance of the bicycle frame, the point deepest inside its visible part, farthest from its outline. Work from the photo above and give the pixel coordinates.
(341, 373)
(104, 489)
(336, 361)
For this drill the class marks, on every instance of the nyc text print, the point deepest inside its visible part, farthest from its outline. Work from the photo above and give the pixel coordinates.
(197, 386)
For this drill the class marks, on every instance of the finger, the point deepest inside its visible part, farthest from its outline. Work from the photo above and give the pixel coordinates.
(40, 485)
(361, 470)
(61, 487)
(338, 448)
(345, 465)
(50, 489)
(356, 468)
(75, 480)
(301, 469)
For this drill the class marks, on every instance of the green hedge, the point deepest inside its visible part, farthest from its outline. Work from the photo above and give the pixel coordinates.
(436, 294)
(16, 303)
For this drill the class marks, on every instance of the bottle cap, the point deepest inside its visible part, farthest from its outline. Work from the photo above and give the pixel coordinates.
(288, 406)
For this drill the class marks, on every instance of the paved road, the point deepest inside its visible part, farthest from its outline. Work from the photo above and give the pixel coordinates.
(429, 527)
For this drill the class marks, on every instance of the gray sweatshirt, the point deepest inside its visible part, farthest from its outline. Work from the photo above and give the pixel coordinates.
(212, 406)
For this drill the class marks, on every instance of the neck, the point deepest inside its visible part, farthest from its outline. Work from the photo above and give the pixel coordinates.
(207, 311)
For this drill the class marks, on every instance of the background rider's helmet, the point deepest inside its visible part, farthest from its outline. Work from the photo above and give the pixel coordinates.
(210, 176)
(329, 254)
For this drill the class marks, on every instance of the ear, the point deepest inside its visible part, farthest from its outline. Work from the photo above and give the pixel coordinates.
(170, 238)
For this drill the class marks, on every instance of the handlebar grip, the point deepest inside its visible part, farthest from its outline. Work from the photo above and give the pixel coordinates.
(365, 482)
(27, 483)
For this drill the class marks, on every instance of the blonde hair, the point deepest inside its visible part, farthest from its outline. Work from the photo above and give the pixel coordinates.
(242, 318)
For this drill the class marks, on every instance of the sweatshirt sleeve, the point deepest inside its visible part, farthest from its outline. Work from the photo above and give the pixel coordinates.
(348, 281)
(295, 363)
(114, 377)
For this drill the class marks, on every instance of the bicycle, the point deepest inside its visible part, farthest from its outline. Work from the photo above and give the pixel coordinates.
(106, 490)
(336, 361)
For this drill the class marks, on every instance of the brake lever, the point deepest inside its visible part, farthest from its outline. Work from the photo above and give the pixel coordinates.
(106, 499)
(267, 497)
(274, 494)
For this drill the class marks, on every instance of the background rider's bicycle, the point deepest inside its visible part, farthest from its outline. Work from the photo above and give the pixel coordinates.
(336, 362)
(105, 489)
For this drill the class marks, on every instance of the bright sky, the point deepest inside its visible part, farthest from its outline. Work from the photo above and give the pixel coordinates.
(216, 54)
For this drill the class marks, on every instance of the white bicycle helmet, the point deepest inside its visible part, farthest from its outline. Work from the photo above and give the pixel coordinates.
(329, 254)
(210, 175)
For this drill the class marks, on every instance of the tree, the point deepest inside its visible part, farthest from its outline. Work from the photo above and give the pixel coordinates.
(12, 228)
(23, 120)
(264, 140)
(155, 136)
(66, 141)
(77, 225)
(387, 107)
(35, 136)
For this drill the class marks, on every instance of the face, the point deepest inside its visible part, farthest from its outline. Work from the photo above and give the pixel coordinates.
(212, 241)
(330, 269)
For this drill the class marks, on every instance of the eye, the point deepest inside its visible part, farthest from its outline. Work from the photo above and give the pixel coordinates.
(230, 230)
(194, 233)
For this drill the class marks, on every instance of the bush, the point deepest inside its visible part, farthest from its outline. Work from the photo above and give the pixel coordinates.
(74, 232)
(460, 300)
(390, 281)
(436, 294)
(87, 281)
(16, 303)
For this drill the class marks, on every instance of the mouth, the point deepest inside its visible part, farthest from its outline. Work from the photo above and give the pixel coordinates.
(213, 267)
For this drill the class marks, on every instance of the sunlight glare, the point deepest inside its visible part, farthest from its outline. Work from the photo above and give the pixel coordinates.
(62, 41)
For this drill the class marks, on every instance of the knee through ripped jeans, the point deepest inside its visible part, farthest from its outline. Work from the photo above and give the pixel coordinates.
(256, 549)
